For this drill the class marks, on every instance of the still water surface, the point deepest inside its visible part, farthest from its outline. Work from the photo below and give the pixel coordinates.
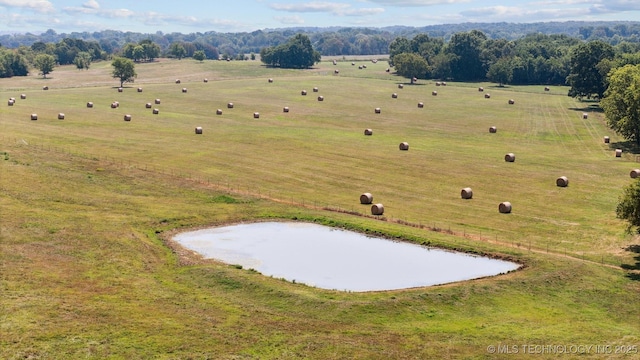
(331, 258)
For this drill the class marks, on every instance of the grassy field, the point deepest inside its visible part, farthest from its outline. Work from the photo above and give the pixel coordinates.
(89, 203)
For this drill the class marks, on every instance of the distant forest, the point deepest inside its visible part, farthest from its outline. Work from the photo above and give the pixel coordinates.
(332, 40)
(579, 54)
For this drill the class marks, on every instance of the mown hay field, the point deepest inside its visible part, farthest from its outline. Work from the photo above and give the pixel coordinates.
(89, 203)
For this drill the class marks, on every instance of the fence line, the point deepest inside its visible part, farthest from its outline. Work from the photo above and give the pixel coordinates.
(612, 260)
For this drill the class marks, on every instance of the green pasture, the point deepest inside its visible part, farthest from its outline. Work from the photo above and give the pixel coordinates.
(89, 203)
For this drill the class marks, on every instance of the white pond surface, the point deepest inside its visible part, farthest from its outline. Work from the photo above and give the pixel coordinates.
(337, 259)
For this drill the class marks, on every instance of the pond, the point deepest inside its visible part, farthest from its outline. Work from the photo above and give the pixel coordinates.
(331, 258)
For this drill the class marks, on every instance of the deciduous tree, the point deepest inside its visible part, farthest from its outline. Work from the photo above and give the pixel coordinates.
(621, 103)
(411, 65)
(584, 77)
(124, 70)
(44, 63)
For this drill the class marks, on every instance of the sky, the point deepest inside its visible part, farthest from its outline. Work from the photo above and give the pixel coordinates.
(189, 16)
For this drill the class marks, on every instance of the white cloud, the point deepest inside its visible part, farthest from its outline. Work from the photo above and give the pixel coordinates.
(91, 4)
(41, 6)
(314, 6)
(290, 20)
(338, 9)
(519, 14)
(409, 3)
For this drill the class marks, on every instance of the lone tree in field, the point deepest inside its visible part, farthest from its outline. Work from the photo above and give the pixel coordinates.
(123, 69)
(629, 206)
(45, 63)
(411, 66)
(621, 103)
(297, 53)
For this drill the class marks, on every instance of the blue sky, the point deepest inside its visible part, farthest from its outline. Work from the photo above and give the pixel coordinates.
(186, 16)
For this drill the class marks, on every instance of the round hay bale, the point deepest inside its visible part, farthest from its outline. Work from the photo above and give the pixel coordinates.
(368, 132)
(352, 64)
(466, 193)
(504, 207)
(156, 111)
(510, 157)
(120, 89)
(606, 139)
(303, 92)
(148, 105)
(127, 117)
(634, 173)
(12, 99)
(585, 115)
(270, 80)
(198, 130)
(493, 130)
(618, 152)
(320, 98)
(157, 101)
(315, 89)
(511, 101)
(336, 71)
(377, 209)
(360, 67)
(394, 96)
(205, 80)
(366, 198)
(117, 104)
(177, 81)
(61, 116)
(375, 61)
(219, 112)
(377, 110)
(481, 89)
(89, 104)
(546, 88)
(230, 105)
(434, 93)
(139, 89)
(10, 102)
(114, 105)
(563, 181)
(414, 79)
(256, 115)
(420, 105)
(400, 86)
(444, 83)
(45, 88)
(487, 96)
(34, 116)
(438, 83)
(388, 70)
(184, 90)
(335, 62)
(364, 66)
(23, 96)
(404, 146)
(285, 109)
